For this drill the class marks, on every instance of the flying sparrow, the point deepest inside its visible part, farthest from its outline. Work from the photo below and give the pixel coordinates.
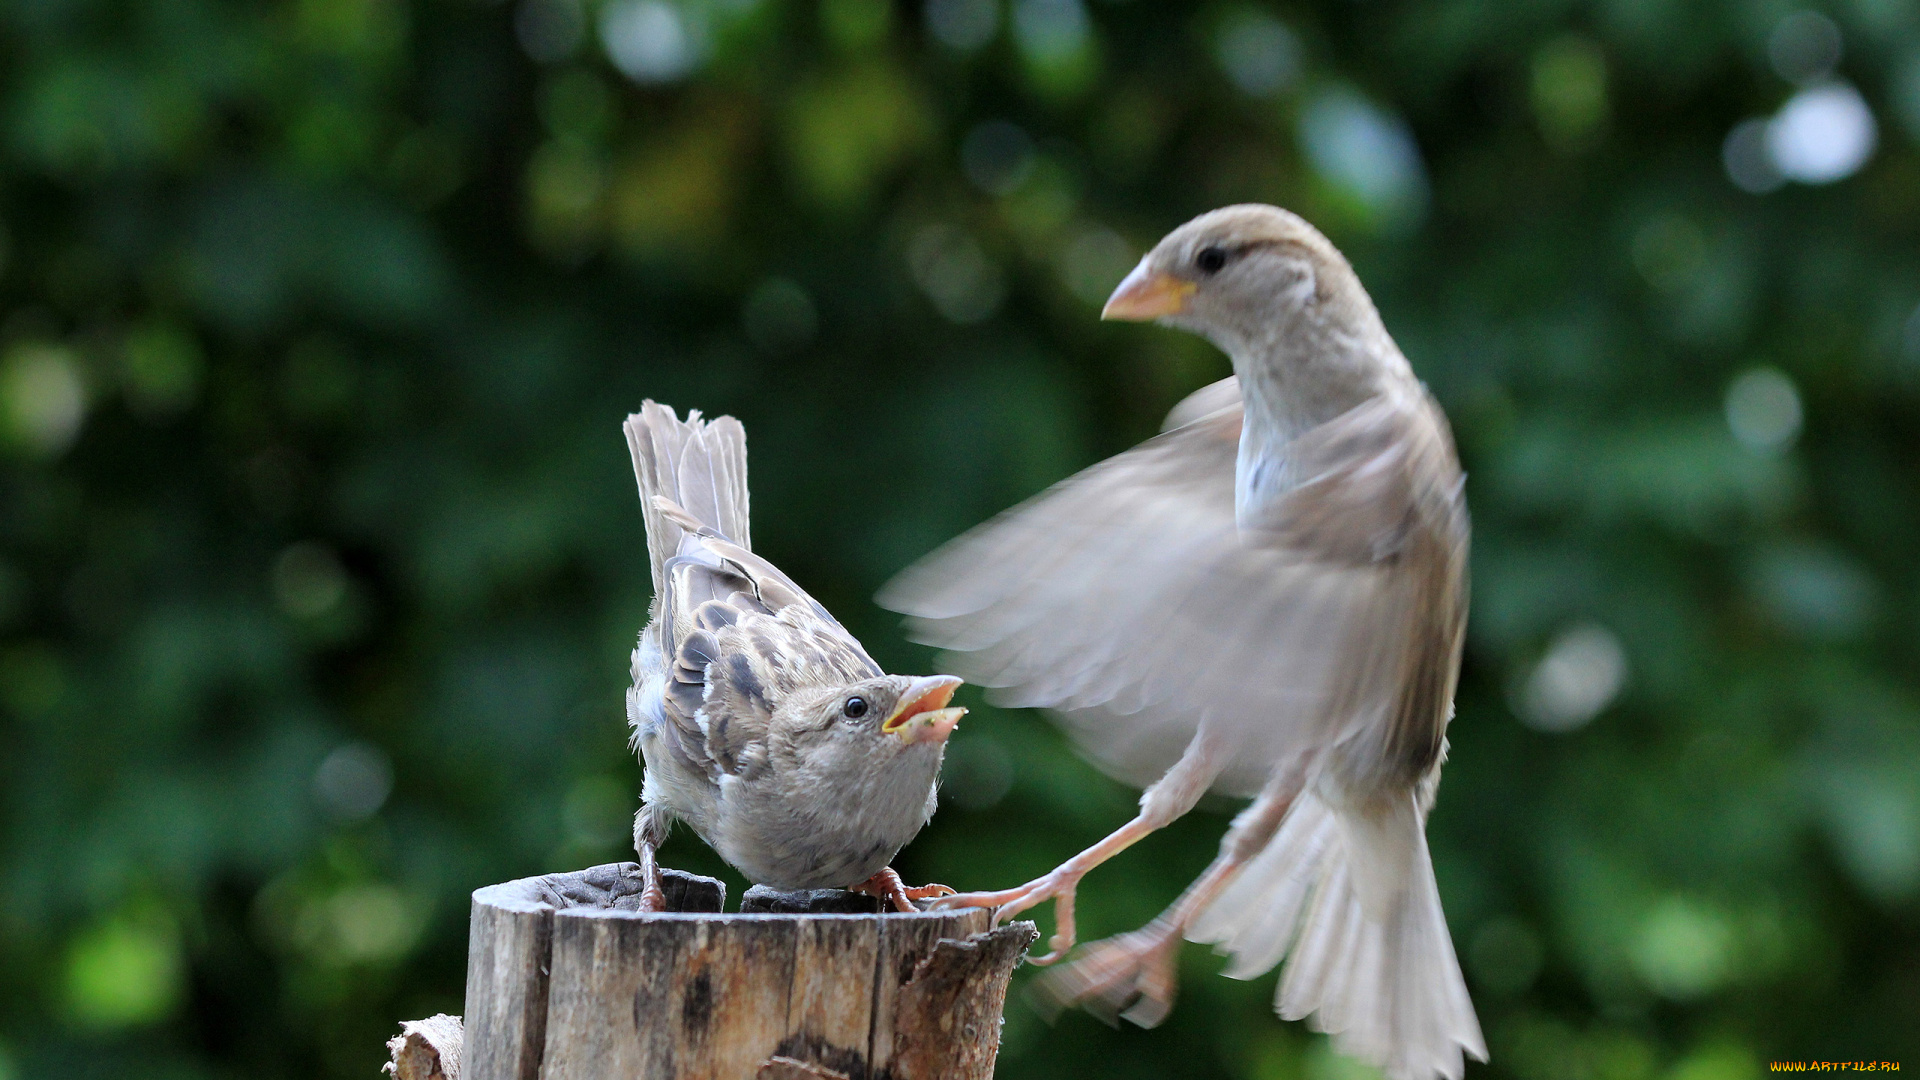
(1267, 600)
(762, 722)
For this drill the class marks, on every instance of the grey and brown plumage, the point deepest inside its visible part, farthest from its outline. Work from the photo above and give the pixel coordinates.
(1267, 600)
(763, 724)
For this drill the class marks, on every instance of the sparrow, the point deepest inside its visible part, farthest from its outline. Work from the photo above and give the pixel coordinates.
(1268, 599)
(760, 720)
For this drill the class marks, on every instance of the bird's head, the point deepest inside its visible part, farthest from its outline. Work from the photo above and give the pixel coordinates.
(1236, 274)
(876, 720)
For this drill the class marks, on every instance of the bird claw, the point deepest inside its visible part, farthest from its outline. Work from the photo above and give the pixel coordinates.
(652, 897)
(888, 887)
(1130, 977)
(1058, 886)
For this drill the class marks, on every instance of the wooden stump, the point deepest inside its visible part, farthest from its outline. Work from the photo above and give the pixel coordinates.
(567, 981)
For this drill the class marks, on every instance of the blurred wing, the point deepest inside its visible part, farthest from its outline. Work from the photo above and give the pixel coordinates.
(1204, 402)
(1128, 599)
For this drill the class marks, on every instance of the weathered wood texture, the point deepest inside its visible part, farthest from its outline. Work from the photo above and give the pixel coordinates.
(565, 981)
(426, 1049)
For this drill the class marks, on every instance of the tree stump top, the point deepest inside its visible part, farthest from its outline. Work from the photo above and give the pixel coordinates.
(567, 979)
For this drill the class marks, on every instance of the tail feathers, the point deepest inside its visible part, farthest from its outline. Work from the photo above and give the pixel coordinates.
(1380, 977)
(699, 465)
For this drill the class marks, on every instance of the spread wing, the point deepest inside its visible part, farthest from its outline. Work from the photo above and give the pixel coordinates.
(1129, 599)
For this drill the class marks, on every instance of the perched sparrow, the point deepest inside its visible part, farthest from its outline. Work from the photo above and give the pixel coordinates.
(762, 722)
(1268, 599)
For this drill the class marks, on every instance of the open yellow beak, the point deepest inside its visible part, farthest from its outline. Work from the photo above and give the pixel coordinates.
(1147, 295)
(923, 715)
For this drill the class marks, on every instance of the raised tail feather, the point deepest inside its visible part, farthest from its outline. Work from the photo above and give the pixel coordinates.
(1384, 983)
(701, 465)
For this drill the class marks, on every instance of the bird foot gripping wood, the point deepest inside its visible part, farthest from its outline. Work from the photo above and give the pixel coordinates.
(891, 890)
(1132, 977)
(652, 897)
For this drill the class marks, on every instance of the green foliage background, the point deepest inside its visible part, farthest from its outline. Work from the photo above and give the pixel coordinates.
(318, 319)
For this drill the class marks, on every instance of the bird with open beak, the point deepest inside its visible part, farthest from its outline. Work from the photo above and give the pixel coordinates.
(1266, 600)
(763, 724)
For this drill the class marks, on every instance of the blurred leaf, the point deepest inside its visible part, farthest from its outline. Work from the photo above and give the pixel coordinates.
(846, 132)
(125, 971)
(676, 193)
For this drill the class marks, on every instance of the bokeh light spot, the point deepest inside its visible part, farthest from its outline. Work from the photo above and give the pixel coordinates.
(353, 782)
(359, 924)
(650, 41)
(1763, 410)
(1056, 40)
(308, 580)
(1874, 815)
(1093, 263)
(1684, 949)
(1583, 670)
(43, 399)
(1822, 134)
(1748, 161)
(1258, 52)
(1569, 93)
(956, 274)
(1051, 31)
(1804, 47)
(844, 134)
(963, 25)
(126, 971)
(1717, 1061)
(1814, 592)
(1367, 154)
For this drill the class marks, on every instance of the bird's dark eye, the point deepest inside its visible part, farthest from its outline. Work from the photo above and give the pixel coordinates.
(1210, 260)
(855, 708)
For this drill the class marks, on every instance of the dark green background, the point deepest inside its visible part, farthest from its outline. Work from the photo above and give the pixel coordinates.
(318, 319)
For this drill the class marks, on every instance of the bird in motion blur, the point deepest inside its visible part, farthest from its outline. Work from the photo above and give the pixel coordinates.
(1268, 600)
(763, 724)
